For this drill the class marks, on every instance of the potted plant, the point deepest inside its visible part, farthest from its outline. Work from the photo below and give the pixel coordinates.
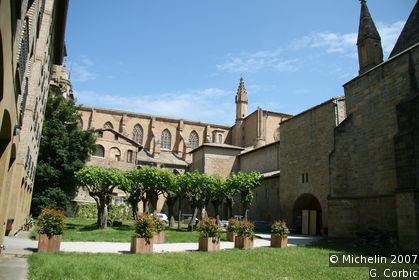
(28, 223)
(142, 240)
(209, 235)
(279, 236)
(159, 226)
(232, 229)
(50, 228)
(244, 239)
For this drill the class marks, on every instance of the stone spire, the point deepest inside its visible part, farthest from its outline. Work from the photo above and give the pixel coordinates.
(409, 35)
(370, 51)
(241, 101)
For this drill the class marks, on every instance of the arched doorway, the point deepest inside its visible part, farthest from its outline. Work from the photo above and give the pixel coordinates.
(307, 215)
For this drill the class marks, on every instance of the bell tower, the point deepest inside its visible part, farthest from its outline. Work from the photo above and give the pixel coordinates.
(370, 51)
(241, 102)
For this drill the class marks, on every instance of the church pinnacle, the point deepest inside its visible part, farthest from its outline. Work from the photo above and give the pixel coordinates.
(241, 101)
(370, 51)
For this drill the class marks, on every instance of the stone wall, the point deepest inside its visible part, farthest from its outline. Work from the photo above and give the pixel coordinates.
(306, 141)
(363, 163)
(263, 159)
(216, 159)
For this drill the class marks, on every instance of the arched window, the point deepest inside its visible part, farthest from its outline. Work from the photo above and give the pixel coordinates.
(166, 139)
(137, 134)
(108, 125)
(24, 49)
(194, 140)
(100, 151)
(115, 154)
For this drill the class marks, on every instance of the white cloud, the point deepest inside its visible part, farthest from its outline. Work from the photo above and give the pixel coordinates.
(346, 43)
(209, 105)
(389, 34)
(81, 69)
(252, 62)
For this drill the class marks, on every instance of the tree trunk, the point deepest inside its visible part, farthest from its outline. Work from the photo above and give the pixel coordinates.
(152, 197)
(244, 210)
(171, 205)
(98, 209)
(216, 204)
(179, 213)
(192, 221)
(103, 213)
(145, 205)
(134, 207)
(230, 203)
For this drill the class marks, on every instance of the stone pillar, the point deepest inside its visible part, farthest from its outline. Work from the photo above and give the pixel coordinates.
(92, 119)
(122, 125)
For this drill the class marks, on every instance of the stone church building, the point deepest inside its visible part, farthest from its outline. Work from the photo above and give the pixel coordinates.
(343, 167)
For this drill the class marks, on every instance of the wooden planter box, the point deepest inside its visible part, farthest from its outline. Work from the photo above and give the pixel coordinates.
(279, 241)
(231, 236)
(158, 238)
(209, 244)
(243, 243)
(49, 243)
(141, 245)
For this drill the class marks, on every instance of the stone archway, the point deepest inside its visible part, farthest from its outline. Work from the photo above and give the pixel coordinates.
(307, 215)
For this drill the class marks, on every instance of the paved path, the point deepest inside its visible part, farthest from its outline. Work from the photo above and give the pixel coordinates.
(13, 266)
(23, 246)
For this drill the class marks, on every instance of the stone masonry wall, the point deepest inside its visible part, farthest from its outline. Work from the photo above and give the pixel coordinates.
(306, 141)
(363, 165)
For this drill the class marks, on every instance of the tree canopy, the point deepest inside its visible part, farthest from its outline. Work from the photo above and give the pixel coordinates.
(64, 149)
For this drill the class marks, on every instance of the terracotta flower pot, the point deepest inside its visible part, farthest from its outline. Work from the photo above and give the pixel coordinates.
(141, 245)
(243, 242)
(278, 241)
(231, 235)
(49, 243)
(209, 244)
(158, 238)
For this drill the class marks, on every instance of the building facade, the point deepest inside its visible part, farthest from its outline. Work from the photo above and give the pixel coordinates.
(342, 168)
(32, 41)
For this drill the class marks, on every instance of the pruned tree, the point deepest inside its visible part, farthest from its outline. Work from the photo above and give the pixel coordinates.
(134, 189)
(244, 184)
(191, 183)
(100, 183)
(172, 192)
(216, 191)
(154, 182)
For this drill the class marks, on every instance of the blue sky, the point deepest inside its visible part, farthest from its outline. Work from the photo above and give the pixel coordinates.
(184, 58)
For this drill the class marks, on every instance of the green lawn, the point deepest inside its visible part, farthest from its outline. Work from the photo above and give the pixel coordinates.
(305, 262)
(77, 229)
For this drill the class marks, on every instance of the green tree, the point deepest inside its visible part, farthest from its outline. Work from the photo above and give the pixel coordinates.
(64, 149)
(217, 190)
(134, 189)
(245, 183)
(100, 183)
(172, 193)
(155, 181)
(191, 185)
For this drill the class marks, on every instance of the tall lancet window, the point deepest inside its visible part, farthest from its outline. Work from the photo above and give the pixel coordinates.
(137, 134)
(166, 139)
(194, 140)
